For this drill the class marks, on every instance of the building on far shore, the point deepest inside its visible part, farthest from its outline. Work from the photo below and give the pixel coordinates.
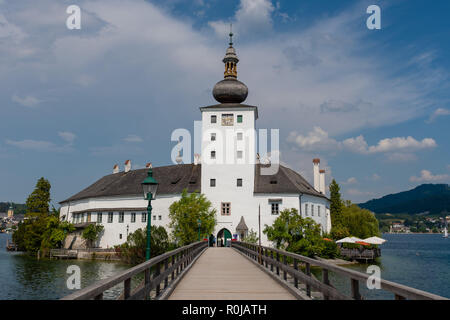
(11, 211)
(236, 189)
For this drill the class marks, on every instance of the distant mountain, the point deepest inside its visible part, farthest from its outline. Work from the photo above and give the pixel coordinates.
(432, 198)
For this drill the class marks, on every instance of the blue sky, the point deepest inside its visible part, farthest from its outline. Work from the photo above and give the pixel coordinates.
(372, 104)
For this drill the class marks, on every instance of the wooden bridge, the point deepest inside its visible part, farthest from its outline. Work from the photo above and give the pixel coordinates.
(243, 272)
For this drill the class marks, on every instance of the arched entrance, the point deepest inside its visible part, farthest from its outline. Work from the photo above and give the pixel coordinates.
(223, 237)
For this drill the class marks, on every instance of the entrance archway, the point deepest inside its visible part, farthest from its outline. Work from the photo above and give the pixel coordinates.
(223, 237)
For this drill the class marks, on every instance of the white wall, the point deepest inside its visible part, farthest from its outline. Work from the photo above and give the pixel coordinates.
(111, 235)
(308, 202)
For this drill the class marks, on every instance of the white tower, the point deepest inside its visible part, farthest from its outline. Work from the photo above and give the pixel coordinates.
(228, 148)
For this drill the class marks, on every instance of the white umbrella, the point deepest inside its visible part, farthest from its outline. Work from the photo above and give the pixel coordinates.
(375, 240)
(347, 240)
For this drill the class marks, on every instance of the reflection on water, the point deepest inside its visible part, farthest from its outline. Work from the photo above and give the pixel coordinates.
(25, 277)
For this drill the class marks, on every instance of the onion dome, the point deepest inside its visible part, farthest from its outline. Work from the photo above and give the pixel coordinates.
(230, 89)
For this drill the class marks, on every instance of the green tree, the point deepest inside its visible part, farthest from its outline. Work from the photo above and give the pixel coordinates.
(359, 222)
(42, 230)
(91, 233)
(184, 214)
(336, 204)
(38, 201)
(251, 237)
(133, 251)
(293, 233)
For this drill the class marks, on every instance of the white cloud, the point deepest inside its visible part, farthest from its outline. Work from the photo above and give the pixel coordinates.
(38, 145)
(319, 140)
(427, 176)
(438, 113)
(351, 180)
(132, 138)
(356, 145)
(401, 143)
(69, 137)
(27, 101)
(252, 17)
(375, 177)
(401, 157)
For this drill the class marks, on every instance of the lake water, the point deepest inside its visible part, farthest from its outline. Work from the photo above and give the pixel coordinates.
(25, 277)
(421, 261)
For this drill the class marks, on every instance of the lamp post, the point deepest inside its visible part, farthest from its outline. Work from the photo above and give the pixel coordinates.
(199, 223)
(149, 186)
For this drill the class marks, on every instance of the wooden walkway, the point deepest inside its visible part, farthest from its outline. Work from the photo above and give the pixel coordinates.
(224, 274)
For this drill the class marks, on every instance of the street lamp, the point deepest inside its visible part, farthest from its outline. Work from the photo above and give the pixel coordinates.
(149, 186)
(199, 223)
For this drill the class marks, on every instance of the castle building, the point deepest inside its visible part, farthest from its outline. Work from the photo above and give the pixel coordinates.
(228, 172)
(11, 211)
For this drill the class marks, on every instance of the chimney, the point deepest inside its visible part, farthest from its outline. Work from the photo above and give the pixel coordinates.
(316, 163)
(116, 168)
(148, 165)
(127, 165)
(322, 181)
(196, 158)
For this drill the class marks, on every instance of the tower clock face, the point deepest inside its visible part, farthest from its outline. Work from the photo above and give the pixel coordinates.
(227, 119)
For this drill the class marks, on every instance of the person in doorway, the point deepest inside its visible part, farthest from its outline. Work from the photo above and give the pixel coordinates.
(211, 240)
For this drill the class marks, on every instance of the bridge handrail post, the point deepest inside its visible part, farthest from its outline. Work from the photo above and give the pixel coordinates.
(308, 273)
(166, 266)
(278, 260)
(271, 260)
(126, 288)
(295, 276)
(284, 270)
(147, 282)
(355, 289)
(325, 280)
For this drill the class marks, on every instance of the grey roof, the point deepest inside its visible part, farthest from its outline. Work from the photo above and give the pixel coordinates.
(242, 225)
(174, 178)
(285, 180)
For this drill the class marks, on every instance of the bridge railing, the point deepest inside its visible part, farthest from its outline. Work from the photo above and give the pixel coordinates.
(288, 263)
(159, 272)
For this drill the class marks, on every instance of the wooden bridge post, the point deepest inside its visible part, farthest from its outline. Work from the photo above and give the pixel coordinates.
(326, 281)
(308, 273)
(166, 266)
(146, 283)
(284, 270)
(295, 277)
(126, 289)
(271, 261)
(157, 273)
(278, 260)
(355, 290)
